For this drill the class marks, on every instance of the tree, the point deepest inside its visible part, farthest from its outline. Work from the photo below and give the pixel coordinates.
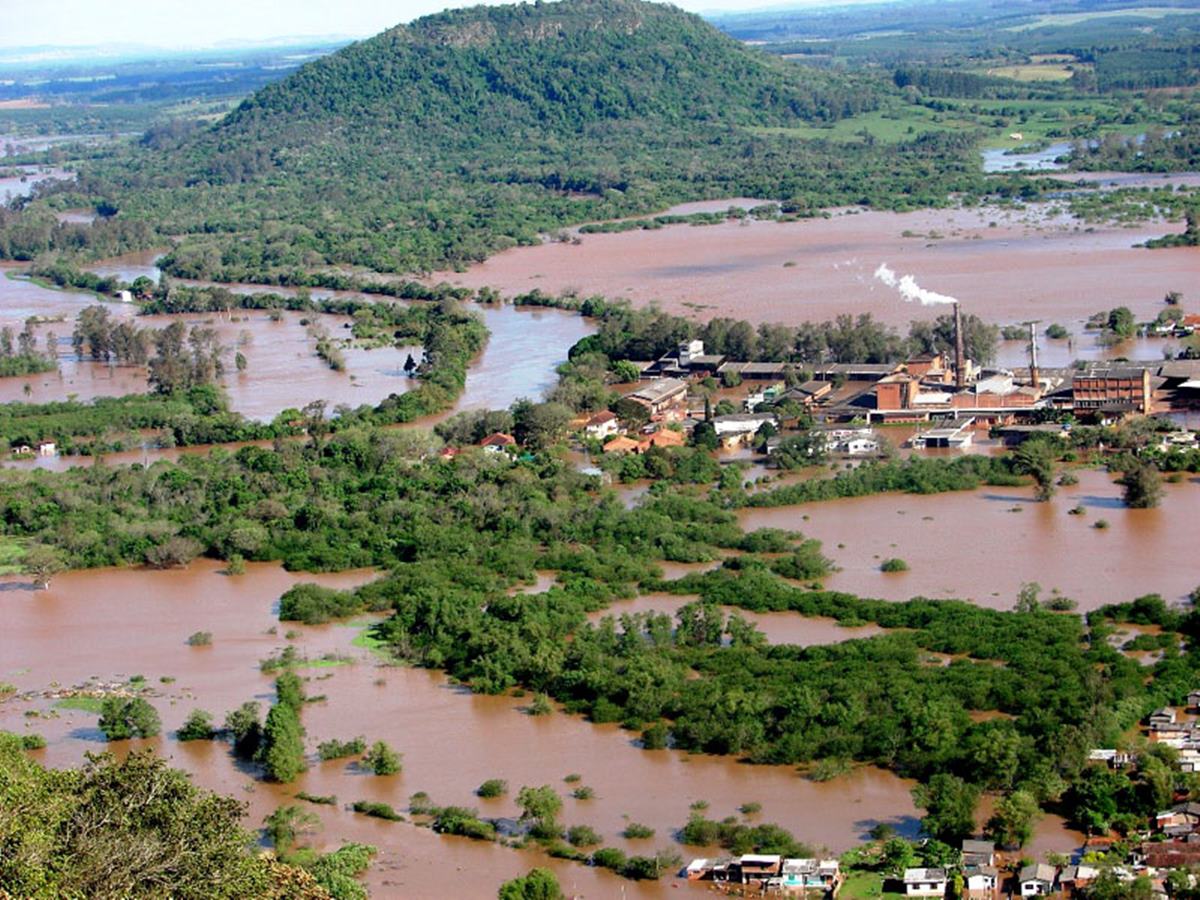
(1027, 598)
(282, 750)
(539, 884)
(625, 371)
(42, 563)
(539, 425)
(1011, 825)
(949, 804)
(245, 729)
(129, 827)
(632, 413)
(539, 804)
(289, 689)
(381, 759)
(1035, 458)
(1121, 322)
(122, 718)
(704, 436)
(1142, 485)
(197, 727)
(286, 823)
(410, 365)
(897, 855)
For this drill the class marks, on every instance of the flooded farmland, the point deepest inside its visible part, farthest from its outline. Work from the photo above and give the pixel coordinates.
(283, 369)
(819, 268)
(982, 545)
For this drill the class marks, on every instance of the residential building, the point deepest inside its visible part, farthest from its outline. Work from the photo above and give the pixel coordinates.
(978, 853)
(1193, 700)
(664, 398)
(602, 425)
(47, 448)
(981, 879)
(810, 874)
(924, 882)
(1162, 719)
(497, 442)
(1073, 879)
(1036, 879)
(759, 867)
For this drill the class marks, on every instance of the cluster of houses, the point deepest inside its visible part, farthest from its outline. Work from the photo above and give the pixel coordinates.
(934, 386)
(770, 872)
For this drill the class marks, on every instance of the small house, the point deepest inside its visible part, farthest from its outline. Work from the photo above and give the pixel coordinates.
(924, 882)
(665, 399)
(1037, 879)
(810, 874)
(664, 437)
(1073, 879)
(759, 867)
(1193, 700)
(978, 853)
(981, 879)
(497, 442)
(47, 448)
(125, 296)
(602, 425)
(1162, 719)
(621, 444)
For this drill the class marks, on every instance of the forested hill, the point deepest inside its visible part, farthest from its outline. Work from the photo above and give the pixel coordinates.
(440, 142)
(557, 67)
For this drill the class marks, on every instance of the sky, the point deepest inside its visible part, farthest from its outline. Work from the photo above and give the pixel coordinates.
(205, 23)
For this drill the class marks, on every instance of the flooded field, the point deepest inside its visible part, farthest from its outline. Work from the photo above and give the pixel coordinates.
(21, 185)
(113, 624)
(819, 268)
(283, 369)
(982, 545)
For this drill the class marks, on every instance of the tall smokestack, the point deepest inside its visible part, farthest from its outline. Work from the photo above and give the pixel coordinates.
(1034, 374)
(960, 373)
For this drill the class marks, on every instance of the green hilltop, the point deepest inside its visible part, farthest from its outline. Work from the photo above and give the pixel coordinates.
(438, 143)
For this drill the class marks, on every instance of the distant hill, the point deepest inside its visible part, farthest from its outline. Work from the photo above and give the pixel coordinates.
(439, 142)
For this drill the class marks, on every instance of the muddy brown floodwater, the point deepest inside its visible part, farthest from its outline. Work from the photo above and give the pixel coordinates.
(113, 624)
(1031, 265)
(283, 369)
(982, 545)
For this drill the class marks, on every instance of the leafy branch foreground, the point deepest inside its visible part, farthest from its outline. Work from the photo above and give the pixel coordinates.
(135, 827)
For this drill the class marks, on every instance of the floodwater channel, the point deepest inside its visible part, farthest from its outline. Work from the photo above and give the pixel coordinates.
(283, 370)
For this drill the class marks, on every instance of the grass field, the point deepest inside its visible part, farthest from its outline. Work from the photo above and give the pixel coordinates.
(1032, 72)
(1142, 12)
(865, 886)
(86, 704)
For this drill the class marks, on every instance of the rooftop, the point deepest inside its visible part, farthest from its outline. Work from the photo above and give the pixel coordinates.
(913, 876)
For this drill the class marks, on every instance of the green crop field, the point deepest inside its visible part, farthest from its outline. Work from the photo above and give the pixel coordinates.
(1060, 19)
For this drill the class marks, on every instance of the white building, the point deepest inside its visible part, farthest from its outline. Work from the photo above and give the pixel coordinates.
(925, 882)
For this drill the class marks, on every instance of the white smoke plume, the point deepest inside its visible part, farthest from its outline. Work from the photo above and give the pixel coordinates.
(909, 289)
